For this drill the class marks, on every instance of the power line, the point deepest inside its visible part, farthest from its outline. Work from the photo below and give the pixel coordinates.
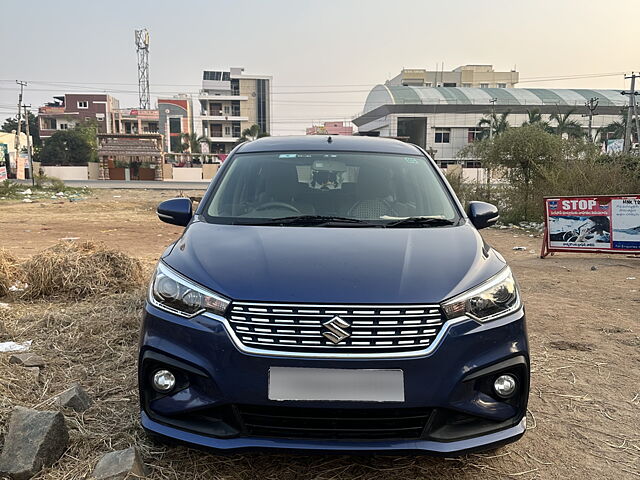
(522, 80)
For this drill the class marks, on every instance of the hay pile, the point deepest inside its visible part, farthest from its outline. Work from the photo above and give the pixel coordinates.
(8, 271)
(77, 270)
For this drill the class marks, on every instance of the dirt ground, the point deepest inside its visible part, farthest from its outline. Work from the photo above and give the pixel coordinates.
(584, 410)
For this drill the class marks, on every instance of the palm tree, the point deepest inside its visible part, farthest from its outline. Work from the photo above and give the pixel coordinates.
(615, 129)
(495, 123)
(564, 125)
(192, 143)
(535, 118)
(252, 133)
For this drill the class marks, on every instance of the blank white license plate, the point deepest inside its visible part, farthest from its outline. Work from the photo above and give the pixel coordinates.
(286, 383)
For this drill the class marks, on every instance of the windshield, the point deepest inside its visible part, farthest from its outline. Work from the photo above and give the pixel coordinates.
(366, 188)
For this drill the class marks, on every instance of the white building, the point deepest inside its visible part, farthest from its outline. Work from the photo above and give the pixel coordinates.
(229, 102)
(443, 120)
(468, 76)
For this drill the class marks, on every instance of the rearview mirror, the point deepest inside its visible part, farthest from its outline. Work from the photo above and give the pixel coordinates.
(483, 214)
(177, 211)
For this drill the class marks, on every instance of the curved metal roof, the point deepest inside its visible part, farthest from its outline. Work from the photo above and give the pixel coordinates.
(396, 94)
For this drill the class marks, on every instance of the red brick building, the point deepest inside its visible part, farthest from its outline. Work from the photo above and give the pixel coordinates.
(71, 109)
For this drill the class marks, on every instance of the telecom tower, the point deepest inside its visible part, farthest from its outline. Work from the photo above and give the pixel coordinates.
(142, 47)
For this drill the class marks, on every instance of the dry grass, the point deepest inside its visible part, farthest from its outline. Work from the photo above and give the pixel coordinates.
(76, 270)
(8, 271)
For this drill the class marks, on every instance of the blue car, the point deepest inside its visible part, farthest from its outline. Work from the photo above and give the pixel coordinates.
(331, 294)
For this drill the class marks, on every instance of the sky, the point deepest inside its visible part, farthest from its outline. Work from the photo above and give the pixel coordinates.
(324, 57)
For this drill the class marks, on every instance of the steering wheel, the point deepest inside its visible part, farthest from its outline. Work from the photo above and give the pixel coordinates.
(269, 205)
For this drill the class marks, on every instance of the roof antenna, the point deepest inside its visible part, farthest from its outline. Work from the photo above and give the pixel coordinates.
(329, 140)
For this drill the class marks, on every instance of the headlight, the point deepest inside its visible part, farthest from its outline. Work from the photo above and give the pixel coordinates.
(495, 298)
(176, 294)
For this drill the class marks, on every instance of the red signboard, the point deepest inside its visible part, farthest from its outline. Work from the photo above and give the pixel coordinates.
(598, 224)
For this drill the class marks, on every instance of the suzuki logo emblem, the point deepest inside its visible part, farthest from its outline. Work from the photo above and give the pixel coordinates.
(337, 332)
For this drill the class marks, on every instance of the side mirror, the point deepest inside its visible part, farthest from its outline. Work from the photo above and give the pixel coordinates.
(483, 214)
(177, 211)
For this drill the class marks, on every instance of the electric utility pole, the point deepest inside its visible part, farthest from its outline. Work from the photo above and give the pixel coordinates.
(31, 172)
(493, 116)
(592, 105)
(17, 143)
(631, 112)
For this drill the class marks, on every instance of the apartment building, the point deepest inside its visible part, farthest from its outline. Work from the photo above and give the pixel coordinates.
(135, 121)
(71, 109)
(466, 76)
(228, 103)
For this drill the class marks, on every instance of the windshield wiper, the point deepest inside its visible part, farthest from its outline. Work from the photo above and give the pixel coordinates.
(420, 222)
(317, 221)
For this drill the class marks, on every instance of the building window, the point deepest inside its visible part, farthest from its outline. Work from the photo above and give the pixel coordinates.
(83, 104)
(484, 85)
(227, 110)
(443, 135)
(175, 125)
(49, 124)
(502, 85)
(236, 129)
(474, 133)
(100, 117)
(175, 144)
(227, 131)
(64, 126)
(261, 105)
(212, 76)
(226, 77)
(449, 84)
(235, 86)
(466, 85)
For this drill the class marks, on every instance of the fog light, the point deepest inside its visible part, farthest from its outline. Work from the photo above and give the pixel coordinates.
(505, 385)
(163, 381)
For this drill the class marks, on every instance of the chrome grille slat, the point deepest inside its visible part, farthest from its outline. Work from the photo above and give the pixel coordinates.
(329, 346)
(299, 328)
(354, 327)
(331, 315)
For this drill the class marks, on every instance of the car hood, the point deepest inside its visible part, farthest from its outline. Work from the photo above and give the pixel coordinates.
(334, 265)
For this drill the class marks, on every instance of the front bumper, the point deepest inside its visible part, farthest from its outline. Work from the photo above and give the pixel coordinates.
(450, 388)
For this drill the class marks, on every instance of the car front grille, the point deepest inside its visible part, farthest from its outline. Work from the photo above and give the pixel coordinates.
(362, 329)
(334, 423)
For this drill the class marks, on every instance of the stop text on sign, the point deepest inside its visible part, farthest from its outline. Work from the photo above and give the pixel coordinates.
(581, 204)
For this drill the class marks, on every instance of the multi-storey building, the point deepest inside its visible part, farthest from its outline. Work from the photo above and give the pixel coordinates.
(466, 76)
(331, 128)
(136, 121)
(175, 120)
(230, 102)
(71, 109)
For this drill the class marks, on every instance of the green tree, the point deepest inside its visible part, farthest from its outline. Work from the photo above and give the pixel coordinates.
(192, 143)
(615, 129)
(11, 124)
(252, 133)
(535, 118)
(496, 123)
(517, 155)
(77, 146)
(565, 125)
